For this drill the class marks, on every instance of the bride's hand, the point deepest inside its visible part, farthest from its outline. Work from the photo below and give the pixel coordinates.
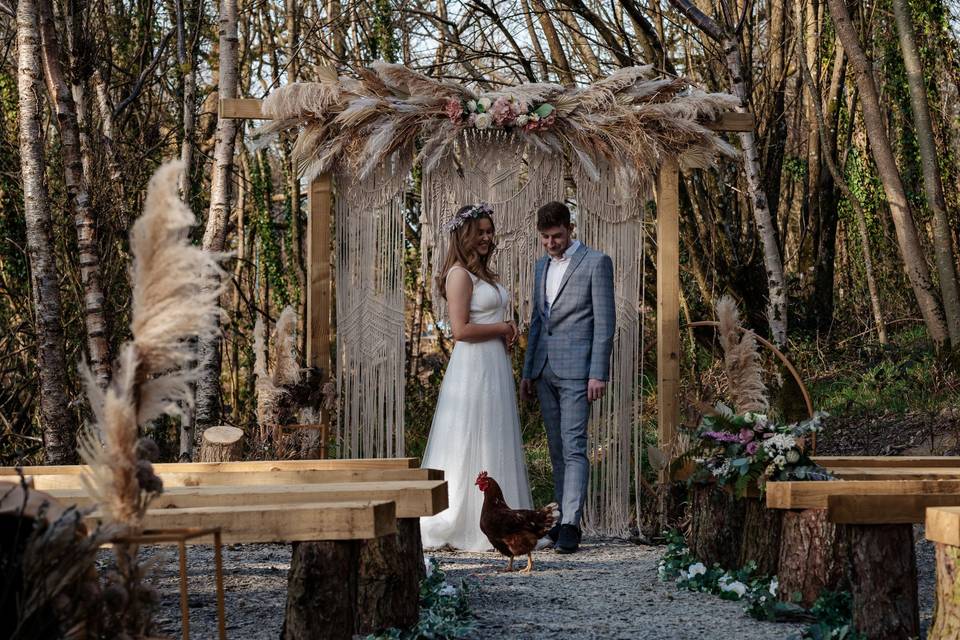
(511, 333)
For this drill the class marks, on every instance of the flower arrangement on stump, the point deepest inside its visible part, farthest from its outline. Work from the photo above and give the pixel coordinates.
(746, 447)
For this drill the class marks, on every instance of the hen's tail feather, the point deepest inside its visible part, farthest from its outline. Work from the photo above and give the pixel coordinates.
(551, 515)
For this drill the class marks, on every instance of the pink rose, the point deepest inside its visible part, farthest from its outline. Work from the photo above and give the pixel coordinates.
(454, 109)
(746, 435)
(752, 447)
(502, 112)
(546, 123)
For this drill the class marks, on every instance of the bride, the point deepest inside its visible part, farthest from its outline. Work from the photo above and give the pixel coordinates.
(476, 426)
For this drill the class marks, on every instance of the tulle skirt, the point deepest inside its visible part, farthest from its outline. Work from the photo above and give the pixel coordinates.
(475, 428)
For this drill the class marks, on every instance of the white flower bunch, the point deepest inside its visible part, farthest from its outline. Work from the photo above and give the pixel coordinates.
(696, 569)
(779, 443)
(723, 470)
(728, 584)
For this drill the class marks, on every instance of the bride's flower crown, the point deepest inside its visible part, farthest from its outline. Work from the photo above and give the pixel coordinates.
(475, 211)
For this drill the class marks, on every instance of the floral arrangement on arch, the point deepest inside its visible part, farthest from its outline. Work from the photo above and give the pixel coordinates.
(630, 119)
(747, 447)
(506, 112)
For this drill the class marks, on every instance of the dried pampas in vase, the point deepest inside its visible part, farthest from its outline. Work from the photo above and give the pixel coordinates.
(278, 370)
(175, 291)
(741, 360)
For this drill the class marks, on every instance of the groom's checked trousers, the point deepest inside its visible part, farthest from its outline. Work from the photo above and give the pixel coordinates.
(565, 415)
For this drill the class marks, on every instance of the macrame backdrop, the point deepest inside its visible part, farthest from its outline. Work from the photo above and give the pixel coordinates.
(370, 308)
(610, 218)
(516, 179)
(499, 169)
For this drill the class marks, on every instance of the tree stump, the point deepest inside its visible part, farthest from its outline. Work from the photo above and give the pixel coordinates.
(883, 581)
(322, 591)
(813, 556)
(946, 608)
(221, 444)
(716, 530)
(761, 536)
(388, 582)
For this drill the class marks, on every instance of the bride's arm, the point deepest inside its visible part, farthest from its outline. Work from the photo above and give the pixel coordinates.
(459, 292)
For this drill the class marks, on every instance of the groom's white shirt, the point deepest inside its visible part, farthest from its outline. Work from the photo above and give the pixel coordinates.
(556, 267)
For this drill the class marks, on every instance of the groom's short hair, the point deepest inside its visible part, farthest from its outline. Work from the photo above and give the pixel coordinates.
(553, 214)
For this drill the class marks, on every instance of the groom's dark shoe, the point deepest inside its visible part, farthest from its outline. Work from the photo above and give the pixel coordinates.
(569, 539)
(554, 533)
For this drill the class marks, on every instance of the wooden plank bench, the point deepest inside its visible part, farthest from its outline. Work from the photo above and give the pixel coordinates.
(860, 533)
(413, 499)
(246, 478)
(243, 466)
(337, 586)
(272, 523)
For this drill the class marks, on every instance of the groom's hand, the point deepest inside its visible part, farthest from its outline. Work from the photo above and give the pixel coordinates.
(526, 390)
(595, 389)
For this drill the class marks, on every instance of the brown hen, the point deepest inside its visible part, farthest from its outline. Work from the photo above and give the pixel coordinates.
(512, 532)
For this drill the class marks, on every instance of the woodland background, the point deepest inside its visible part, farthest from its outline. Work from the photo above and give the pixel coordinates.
(862, 186)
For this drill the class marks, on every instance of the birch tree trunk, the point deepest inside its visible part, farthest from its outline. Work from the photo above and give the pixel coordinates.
(933, 186)
(59, 438)
(78, 196)
(214, 237)
(907, 237)
(187, 59)
(773, 264)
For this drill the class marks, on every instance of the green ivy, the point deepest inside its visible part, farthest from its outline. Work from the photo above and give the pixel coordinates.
(270, 256)
(830, 617)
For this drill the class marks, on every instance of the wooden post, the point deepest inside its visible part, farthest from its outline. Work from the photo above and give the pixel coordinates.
(668, 307)
(318, 280)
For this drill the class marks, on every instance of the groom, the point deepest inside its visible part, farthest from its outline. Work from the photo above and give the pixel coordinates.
(568, 357)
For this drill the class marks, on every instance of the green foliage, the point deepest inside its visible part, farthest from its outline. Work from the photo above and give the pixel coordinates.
(444, 611)
(830, 617)
(269, 256)
(906, 376)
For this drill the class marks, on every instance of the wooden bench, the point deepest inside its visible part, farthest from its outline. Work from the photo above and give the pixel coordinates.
(860, 533)
(354, 524)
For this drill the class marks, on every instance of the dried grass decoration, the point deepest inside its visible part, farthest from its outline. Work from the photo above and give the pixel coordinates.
(629, 119)
(175, 289)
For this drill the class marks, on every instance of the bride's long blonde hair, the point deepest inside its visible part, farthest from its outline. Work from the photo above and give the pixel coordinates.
(463, 251)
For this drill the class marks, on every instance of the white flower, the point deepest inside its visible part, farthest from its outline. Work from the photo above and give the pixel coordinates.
(774, 585)
(485, 103)
(748, 417)
(780, 461)
(780, 442)
(696, 569)
(522, 119)
(472, 106)
(534, 116)
(793, 456)
(447, 590)
(735, 586)
(484, 120)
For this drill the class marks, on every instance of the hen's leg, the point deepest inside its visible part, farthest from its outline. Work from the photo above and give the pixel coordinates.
(529, 567)
(509, 566)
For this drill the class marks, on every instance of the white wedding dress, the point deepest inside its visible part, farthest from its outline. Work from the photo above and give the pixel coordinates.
(476, 428)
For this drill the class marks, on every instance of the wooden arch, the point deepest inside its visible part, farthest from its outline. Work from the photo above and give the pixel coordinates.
(668, 268)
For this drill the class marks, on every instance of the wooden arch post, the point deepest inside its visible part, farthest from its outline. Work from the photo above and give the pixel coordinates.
(668, 270)
(320, 206)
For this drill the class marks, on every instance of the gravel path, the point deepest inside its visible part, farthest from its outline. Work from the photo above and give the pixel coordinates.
(608, 590)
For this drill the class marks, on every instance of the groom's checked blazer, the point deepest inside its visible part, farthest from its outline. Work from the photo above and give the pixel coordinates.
(577, 333)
